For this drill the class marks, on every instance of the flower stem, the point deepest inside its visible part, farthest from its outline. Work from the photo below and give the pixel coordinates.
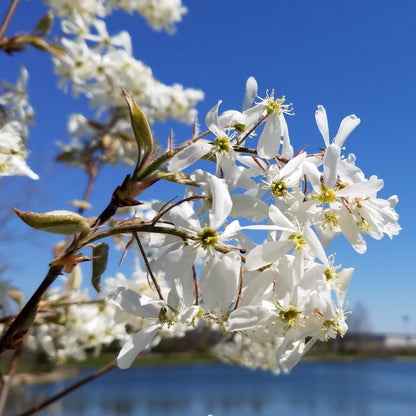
(8, 17)
(149, 270)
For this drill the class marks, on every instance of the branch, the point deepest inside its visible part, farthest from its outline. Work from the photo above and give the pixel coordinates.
(20, 326)
(68, 390)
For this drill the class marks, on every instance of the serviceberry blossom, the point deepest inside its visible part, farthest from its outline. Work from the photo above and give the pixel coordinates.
(99, 66)
(244, 250)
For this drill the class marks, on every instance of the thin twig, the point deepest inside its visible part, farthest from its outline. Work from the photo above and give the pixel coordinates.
(161, 213)
(8, 17)
(196, 287)
(240, 289)
(253, 128)
(6, 380)
(71, 388)
(149, 270)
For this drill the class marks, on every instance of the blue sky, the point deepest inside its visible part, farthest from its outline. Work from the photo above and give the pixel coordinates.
(353, 57)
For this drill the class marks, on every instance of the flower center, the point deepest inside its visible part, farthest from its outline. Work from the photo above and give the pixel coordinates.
(326, 196)
(330, 220)
(208, 238)
(289, 315)
(222, 144)
(298, 240)
(278, 188)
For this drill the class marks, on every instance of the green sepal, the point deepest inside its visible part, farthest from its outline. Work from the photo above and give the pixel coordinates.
(142, 133)
(44, 25)
(99, 264)
(177, 177)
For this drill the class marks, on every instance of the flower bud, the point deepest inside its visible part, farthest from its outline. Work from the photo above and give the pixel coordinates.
(56, 222)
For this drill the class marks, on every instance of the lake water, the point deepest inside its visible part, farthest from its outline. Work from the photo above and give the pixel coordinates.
(361, 388)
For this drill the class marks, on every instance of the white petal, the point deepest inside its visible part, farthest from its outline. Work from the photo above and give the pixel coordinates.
(135, 303)
(247, 317)
(322, 122)
(331, 160)
(249, 207)
(236, 176)
(287, 148)
(257, 285)
(348, 172)
(368, 188)
(174, 263)
(231, 118)
(219, 281)
(269, 141)
(266, 254)
(189, 155)
(313, 175)
(351, 231)
(315, 245)
(188, 315)
(212, 116)
(221, 202)
(346, 127)
(134, 345)
(293, 165)
(279, 219)
(251, 93)
(183, 216)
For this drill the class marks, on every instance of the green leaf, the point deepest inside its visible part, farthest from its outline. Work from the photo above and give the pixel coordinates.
(177, 177)
(142, 133)
(57, 222)
(99, 264)
(44, 25)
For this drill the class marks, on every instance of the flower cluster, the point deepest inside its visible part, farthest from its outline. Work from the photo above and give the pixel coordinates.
(244, 251)
(160, 14)
(99, 66)
(15, 115)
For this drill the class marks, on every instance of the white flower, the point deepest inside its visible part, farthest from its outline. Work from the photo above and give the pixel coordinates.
(275, 127)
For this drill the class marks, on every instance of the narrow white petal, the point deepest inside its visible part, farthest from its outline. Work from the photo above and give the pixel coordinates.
(219, 281)
(212, 116)
(346, 127)
(266, 254)
(221, 202)
(251, 93)
(247, 317)
(189, 155)
(351, 231)
(135, 303)
(134, 345)
(269, 141)
(322, 122)
(172, 262)
(331, 161)
(313, 175)
(280, 220)
(315, 245)
(287, 148)
(249, 207)
(293, 165)
(231, 118)
(368, 188)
